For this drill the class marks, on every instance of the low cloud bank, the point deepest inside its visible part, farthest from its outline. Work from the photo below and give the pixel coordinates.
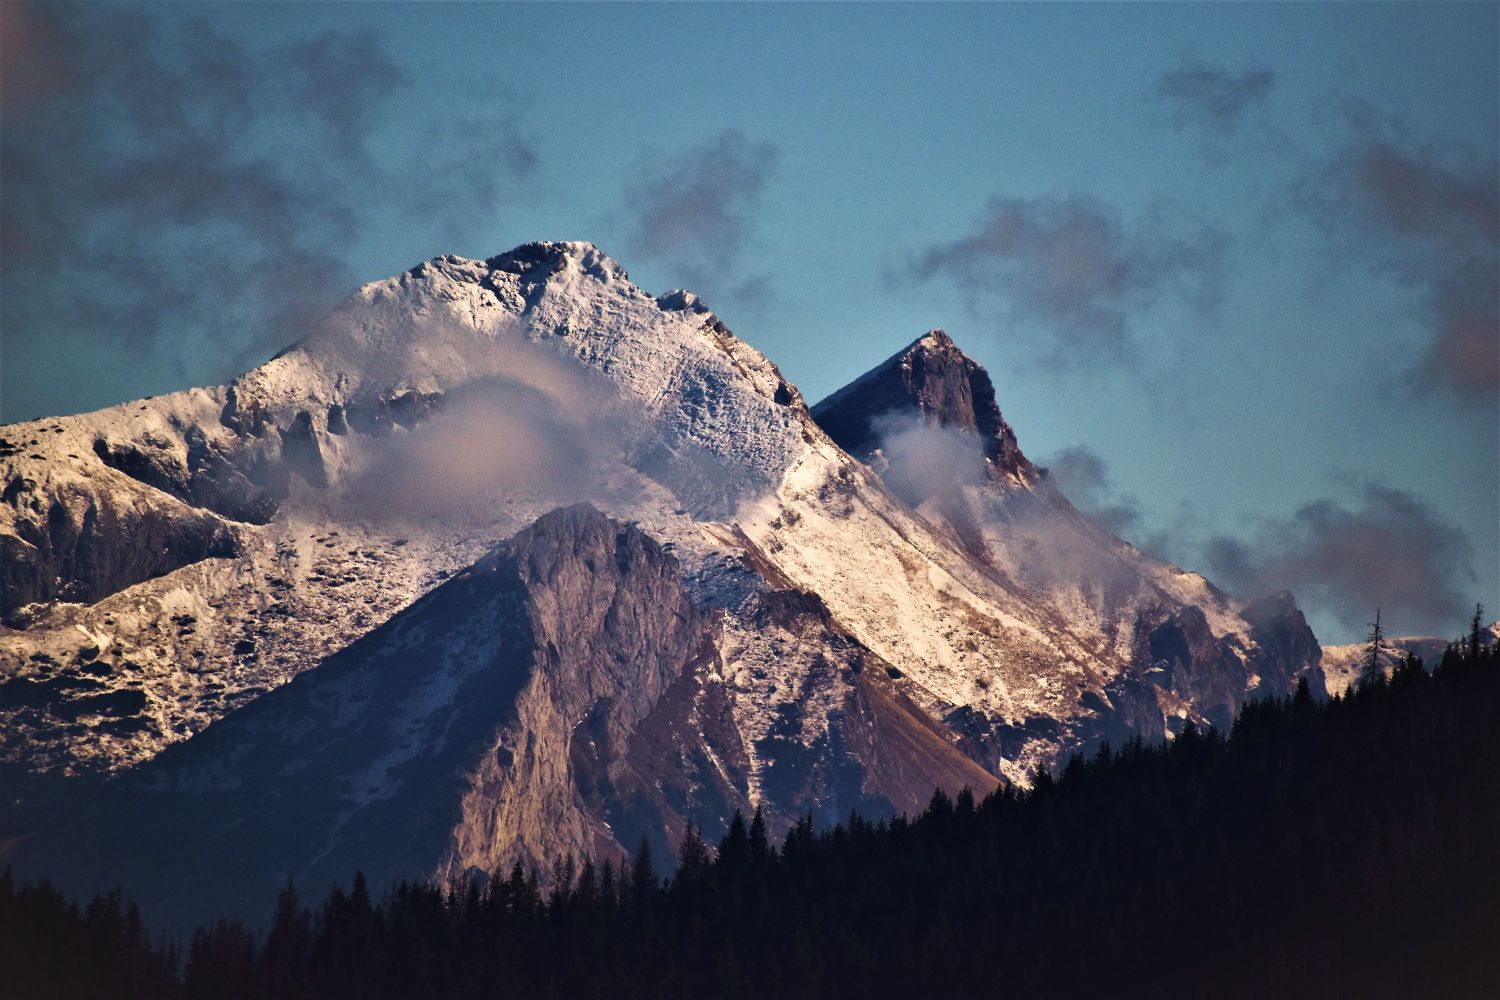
(531, 428)
(1390, 550)
(1084, 479)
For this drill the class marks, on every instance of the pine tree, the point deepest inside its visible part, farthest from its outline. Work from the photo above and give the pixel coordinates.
(692, 855)
(734, 849)
(221, 962)
(1302, 699)
(359, 894)
(586, 890)
(1373, 672)
(642, 874)
(283, 960)
(1476, 631)
(562, 879)
(760, 844)
(608, 893)
(515, 888)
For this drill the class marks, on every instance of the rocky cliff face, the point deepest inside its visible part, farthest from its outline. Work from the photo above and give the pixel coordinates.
(67, 541)
(610, 631)
(1287, 649)
(935, 381)
(562, 696)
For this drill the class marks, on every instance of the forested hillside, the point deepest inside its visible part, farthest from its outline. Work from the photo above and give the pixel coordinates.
(1349, 846)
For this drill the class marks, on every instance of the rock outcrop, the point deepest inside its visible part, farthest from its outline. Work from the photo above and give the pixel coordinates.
(939, 383)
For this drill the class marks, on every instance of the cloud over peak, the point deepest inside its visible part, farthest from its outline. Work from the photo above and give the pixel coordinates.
(1084, 478)
(182, 199)
(1075, 268)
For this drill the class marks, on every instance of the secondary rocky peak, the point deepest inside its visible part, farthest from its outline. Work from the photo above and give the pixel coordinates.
(580, 545)
(935, 381)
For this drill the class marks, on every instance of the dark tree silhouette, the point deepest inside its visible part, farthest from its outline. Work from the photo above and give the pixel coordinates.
(1374, 672)
(1343, 847)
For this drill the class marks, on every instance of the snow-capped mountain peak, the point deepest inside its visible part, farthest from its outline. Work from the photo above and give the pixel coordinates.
(938, 384)
(870, 625)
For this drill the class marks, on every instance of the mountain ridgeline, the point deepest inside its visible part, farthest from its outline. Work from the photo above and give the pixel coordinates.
(511, 561)
(1315, 848)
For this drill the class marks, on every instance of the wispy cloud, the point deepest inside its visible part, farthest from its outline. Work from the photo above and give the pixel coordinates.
(1077, 270)
(921, 459)
(696, 212)
(1427, 214)
(175, 197)
(1084, 479)
(1199, 93)
(1391, 551)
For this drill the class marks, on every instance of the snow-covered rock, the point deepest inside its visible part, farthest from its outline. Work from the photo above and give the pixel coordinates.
(1344, 665)
(881, 582)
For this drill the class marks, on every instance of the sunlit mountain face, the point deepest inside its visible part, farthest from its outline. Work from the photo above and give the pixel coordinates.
(491, 502)
(1033, 495)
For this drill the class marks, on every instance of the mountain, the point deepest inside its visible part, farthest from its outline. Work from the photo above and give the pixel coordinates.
(563, 694)
(356, 574)
(1166, 643)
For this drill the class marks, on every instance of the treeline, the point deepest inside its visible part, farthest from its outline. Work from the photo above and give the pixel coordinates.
(1350, 848)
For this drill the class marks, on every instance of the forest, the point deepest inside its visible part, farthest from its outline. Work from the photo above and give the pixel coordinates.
(1349, 845)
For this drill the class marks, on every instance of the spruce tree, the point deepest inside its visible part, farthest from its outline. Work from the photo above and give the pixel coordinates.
(586, 890)
(734, 849)
(283, 960)
(642, 874)
(692, 856)
(607, 889)
(760, 844)
(1373, 672)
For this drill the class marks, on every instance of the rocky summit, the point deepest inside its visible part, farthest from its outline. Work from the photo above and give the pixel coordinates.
(511, 560)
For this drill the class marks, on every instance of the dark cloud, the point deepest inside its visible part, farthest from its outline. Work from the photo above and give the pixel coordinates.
(1428, 214)
(1392, 551)
(338, 80)
(1076, 268)
(696, 212)
(178, 204)
(467, 168)
(28, 70)
(1201, 93)
(1084, 479)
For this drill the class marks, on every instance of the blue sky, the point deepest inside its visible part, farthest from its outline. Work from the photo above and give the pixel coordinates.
(1231, 267)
